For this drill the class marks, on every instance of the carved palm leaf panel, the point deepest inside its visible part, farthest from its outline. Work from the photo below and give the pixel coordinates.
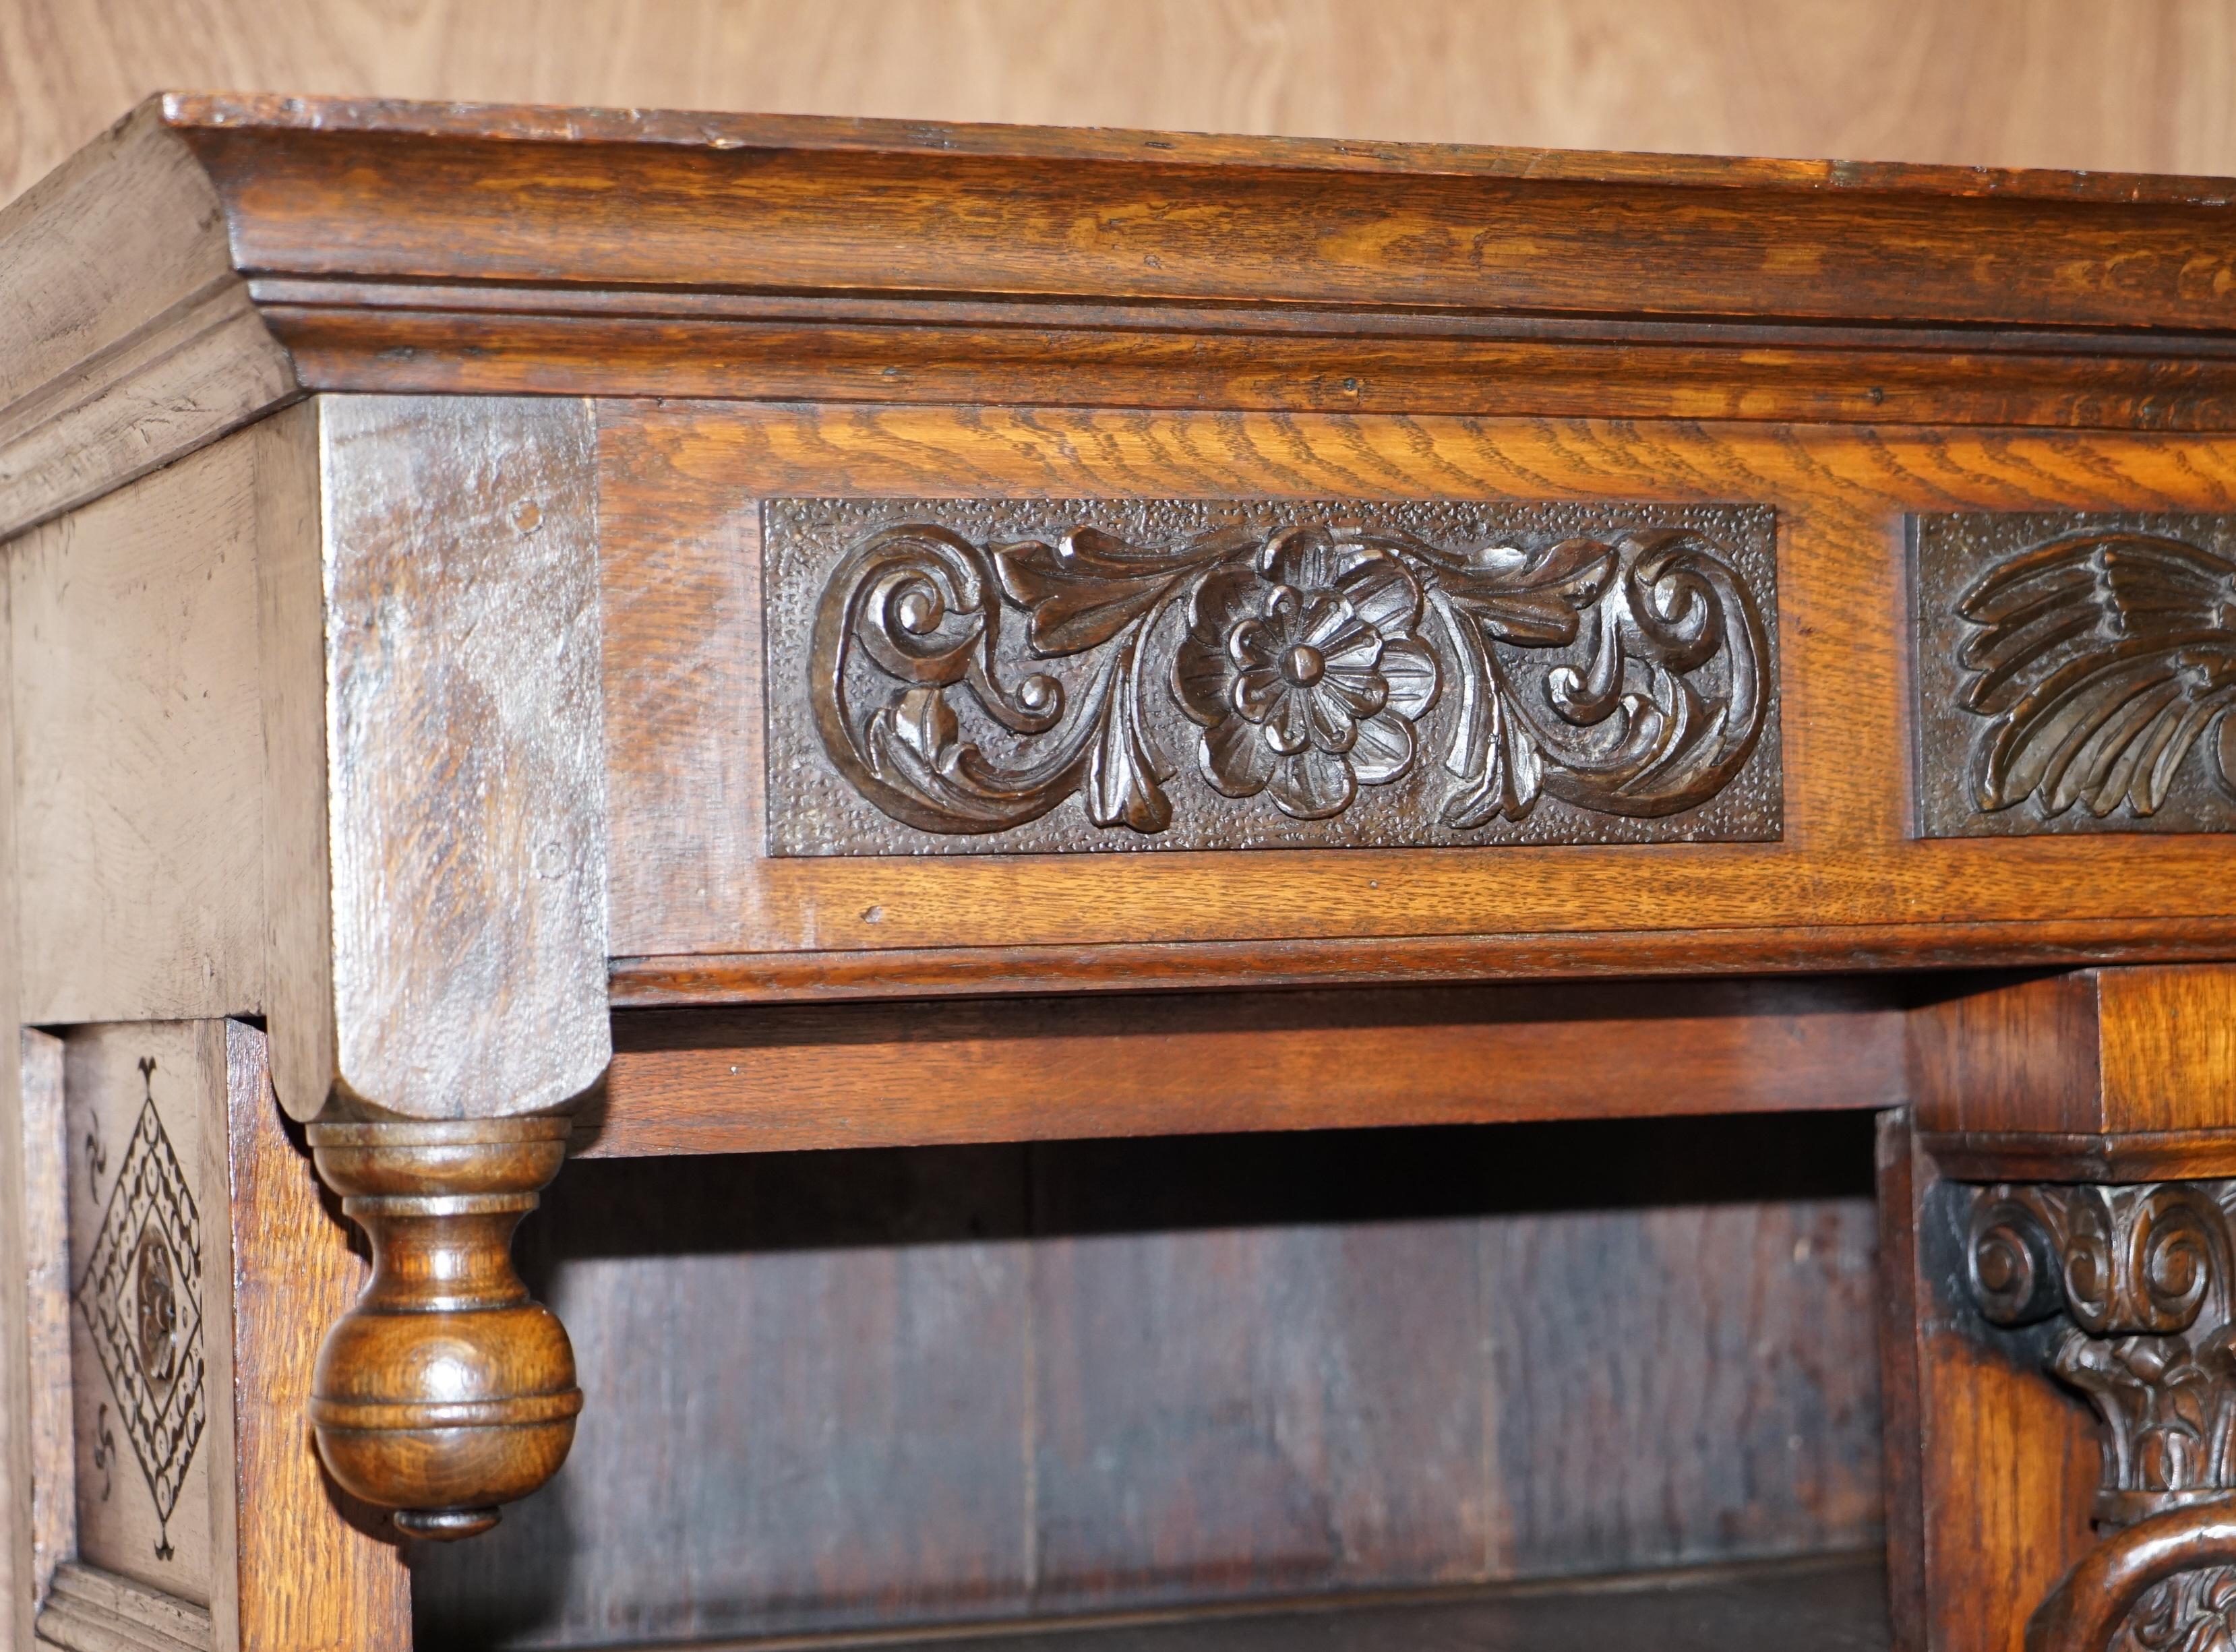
(2074, 672)
(986, 677)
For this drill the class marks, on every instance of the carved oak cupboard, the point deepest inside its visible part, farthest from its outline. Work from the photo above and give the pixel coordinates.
(537, 633)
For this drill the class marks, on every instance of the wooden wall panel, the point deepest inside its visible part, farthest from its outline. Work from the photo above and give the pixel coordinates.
(1259, 1410)
(872, 1387)
(2136, 84)
(137, 791)
(1656, 1406)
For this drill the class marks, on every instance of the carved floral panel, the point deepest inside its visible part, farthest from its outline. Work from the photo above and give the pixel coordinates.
(2074, 672)
(983, 676)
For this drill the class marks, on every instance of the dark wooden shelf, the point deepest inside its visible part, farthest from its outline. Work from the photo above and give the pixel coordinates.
(1832, 1604)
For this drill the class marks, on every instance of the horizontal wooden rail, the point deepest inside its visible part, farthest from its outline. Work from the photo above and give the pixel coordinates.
(882, 1075)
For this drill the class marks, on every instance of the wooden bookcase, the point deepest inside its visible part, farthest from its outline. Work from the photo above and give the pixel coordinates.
(783, 654)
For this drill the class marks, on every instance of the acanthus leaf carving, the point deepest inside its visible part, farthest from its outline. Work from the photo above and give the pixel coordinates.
(2144, 1281)
(1286, 667)
(2099, 658)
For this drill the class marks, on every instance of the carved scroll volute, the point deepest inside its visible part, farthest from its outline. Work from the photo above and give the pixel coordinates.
(2141, 1275)
(2017, 1271)
(1230, 685)
(446, 1390)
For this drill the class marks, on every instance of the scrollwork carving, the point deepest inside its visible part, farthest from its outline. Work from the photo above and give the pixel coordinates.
(2144, 1279)
(1351, 681)
(2191, 1611)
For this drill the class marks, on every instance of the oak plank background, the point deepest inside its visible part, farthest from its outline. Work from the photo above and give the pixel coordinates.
(885, 1387)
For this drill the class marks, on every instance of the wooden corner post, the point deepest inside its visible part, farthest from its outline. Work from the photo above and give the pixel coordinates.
(436, 878)
(2062, 1346)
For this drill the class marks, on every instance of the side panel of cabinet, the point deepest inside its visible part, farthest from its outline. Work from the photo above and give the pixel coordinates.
(199, 1266)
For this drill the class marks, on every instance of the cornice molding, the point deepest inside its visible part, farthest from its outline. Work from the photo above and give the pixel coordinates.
(212, 257)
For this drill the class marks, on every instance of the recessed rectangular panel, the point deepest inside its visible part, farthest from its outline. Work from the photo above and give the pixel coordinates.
(1003, 676)
(141, 1210)
(2074, 670)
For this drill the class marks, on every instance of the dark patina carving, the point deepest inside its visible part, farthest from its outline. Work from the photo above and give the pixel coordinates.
(1002, 675)
(2141, 1277)
(2075, 674)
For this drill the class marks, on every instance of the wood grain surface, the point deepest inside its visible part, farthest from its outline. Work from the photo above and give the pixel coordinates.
(679, 488)
(794, 258)
(2128, 1067)
(1830, 1605)
(305, 1566)
(996, 1381)
(1991, 1467)
(2133, 85)
(139, 744)
(503, 249)
(464, 831)
(653, 200)
(127, 339)
(20, 1522)
(761, 1080)
(52, 1481)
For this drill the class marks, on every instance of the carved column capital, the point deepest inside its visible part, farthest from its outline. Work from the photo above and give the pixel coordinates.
(2140, 1280)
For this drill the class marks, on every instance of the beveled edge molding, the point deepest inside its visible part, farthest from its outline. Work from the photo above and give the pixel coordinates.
(136, 335)
(90, 1610)
(679, 980)
(129, 338)
(2032, 1155)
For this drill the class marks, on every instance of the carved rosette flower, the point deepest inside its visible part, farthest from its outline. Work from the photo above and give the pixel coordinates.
(1304, 670)
(1302, 663)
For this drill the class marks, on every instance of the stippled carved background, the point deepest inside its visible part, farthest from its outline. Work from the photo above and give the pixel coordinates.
(982, 676)
(2074, 671)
